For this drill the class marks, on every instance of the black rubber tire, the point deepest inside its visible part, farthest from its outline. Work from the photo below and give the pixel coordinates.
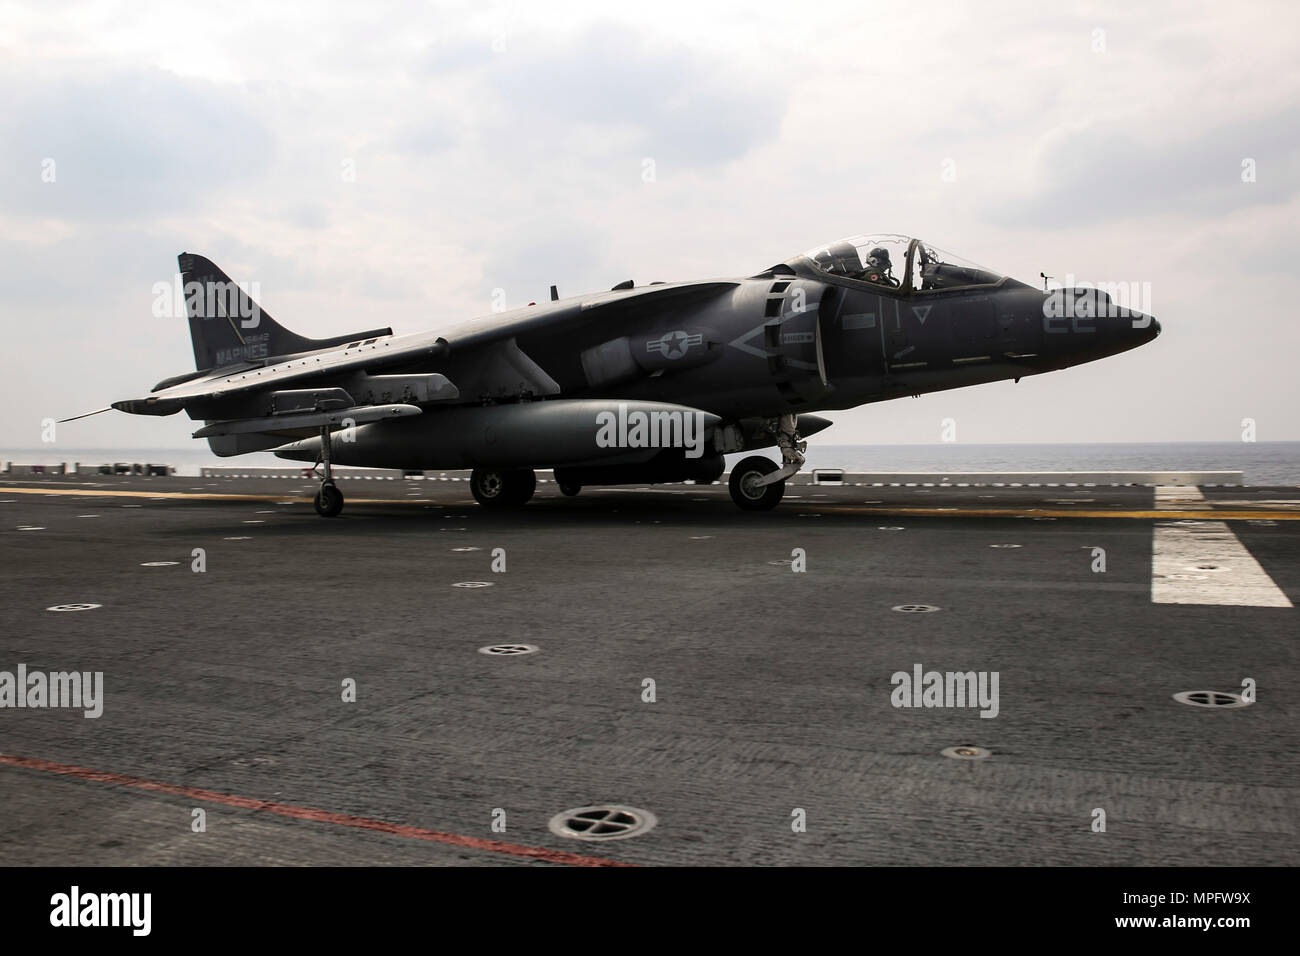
(489, 486)
(746, 470)
(328, 501)
(569, 488)
(525, 484)
(502, 487)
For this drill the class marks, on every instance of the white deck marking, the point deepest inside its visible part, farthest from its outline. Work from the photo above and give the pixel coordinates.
(1170, 495)
(1203, 562)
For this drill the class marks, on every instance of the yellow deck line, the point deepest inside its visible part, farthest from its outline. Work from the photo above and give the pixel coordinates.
(197, 496)
(931, 512)
(1200, 513)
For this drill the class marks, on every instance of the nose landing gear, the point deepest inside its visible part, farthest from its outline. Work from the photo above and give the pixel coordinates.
(757, 484)
(746, 490)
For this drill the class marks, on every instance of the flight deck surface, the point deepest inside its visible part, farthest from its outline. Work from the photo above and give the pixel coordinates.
(773, 689)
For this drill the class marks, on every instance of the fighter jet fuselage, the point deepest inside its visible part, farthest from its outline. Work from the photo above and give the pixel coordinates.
(654, 383)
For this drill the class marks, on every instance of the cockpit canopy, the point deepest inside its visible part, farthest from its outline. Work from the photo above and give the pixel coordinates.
(899, 262)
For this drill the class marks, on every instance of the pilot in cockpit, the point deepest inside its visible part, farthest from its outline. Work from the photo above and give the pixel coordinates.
(878, 268)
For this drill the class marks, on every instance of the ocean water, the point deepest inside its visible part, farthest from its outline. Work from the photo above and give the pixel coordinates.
(1263, 463)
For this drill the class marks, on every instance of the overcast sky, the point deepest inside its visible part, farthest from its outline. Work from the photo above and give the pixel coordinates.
(376, 163)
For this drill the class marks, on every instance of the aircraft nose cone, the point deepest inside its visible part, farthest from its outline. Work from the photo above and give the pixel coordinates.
(1137, 328)
(1129, 330)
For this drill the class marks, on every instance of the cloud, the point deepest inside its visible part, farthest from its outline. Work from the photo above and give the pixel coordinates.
(647, 96)
(127, 145)
(501, 146)
(1111, 171)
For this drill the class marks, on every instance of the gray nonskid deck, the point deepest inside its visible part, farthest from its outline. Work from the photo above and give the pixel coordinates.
(773, 688)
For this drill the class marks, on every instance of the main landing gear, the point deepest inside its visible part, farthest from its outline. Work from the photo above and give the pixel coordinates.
(329, 500)
(502, 487)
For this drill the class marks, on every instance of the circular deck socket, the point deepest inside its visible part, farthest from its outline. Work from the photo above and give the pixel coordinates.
(466, 549)
(890, 528)
(915, 608)
(966, 752)
(472, 584)
(1006, 546)
(73, 607)
(609, 821)
(1212, 699)
(509, 650)
(159, 564)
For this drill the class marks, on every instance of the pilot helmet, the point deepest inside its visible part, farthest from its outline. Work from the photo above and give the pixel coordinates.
(879, 255)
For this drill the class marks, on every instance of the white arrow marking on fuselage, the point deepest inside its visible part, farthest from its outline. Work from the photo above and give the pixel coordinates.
(742, 341)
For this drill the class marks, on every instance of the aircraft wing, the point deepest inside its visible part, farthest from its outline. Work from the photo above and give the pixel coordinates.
(602, 306)
(492, 336)
(380, 355)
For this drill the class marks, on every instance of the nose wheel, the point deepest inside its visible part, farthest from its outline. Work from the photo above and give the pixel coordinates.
(747, 492)
(328, 500)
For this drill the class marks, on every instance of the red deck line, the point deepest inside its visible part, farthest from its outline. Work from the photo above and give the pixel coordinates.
(307, 813)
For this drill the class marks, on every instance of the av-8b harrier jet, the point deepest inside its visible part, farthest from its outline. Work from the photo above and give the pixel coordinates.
(636, 385)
